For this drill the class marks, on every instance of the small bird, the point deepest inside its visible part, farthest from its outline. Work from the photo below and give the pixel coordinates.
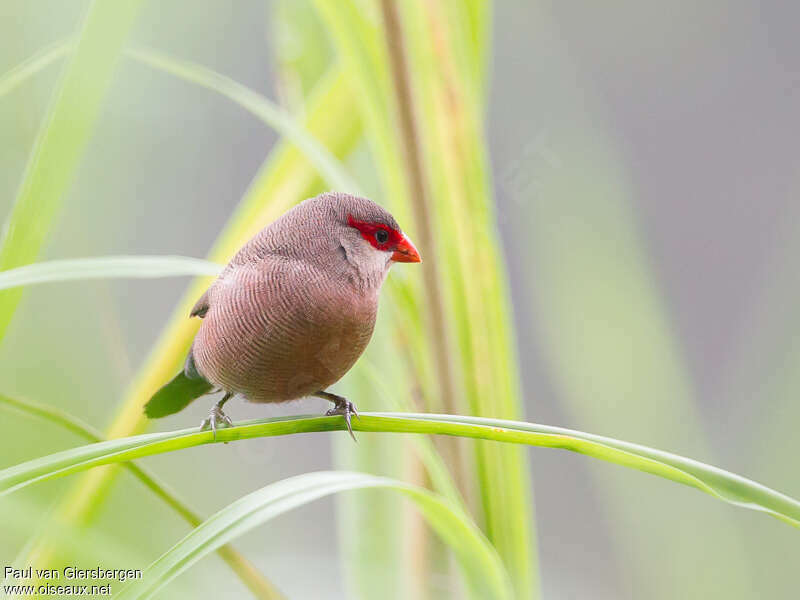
(292, 311)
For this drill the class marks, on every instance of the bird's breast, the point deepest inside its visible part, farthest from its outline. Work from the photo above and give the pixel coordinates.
(282, 334)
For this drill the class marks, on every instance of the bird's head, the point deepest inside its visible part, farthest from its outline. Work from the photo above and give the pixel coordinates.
(343, 234)
(370, 239)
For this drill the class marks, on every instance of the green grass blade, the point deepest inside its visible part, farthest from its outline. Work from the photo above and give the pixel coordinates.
(54, 415)
(270, 113)
(481, 565)
(243, 568)
(719, 483)
(16, 76)
(106, 267)
(451, 113)
(62, 139)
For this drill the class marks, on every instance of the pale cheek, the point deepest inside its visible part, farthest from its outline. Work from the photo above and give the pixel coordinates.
(374, 259)
(379, 258)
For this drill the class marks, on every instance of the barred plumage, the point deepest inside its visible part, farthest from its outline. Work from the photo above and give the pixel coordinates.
(296, 306)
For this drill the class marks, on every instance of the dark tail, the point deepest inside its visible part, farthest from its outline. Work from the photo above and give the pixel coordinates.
(176, 395)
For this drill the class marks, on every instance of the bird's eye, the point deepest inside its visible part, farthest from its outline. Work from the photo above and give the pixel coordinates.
(381, 236)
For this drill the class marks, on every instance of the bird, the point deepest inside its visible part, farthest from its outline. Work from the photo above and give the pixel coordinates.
(292, 311)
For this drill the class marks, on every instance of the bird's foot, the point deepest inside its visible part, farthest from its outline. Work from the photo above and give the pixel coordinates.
(216, 418)
(342, 406)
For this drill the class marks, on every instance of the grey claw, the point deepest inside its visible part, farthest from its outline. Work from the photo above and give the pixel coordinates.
(346, 409)
(215, 418)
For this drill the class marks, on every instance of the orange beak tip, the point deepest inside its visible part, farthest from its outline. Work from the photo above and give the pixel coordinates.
(405, 251)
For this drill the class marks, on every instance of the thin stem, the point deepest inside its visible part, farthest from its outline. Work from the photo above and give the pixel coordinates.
(12, 79)
(434, 297)
(247, 572)
(434, 302)
(329, 167)
(420, 200)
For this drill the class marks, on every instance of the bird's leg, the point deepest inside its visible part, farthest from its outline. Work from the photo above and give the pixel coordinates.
(217, 417)
(341, 406)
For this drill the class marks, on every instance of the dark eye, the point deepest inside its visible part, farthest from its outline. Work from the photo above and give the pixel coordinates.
(381, 236)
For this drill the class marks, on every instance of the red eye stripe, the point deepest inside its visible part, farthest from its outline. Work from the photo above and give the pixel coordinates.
(369, 231)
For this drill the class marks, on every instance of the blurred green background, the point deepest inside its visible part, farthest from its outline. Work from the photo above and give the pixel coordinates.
(646, 170)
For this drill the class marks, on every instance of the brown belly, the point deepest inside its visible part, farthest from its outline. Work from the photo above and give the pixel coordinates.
(282, 351)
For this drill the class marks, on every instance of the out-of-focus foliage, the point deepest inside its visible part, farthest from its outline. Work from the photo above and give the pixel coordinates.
(63, 137)
(644, 175)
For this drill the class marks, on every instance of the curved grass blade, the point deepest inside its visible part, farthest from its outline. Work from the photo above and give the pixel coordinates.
(719, 483)
(16, 76)
(270, 113)
(244, 569)
(54, 415)
(479, 561)
(106, 267)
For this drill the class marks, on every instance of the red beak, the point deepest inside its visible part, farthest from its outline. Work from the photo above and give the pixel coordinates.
(405, 251)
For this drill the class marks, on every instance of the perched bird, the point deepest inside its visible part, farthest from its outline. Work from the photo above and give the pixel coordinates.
(292, 311)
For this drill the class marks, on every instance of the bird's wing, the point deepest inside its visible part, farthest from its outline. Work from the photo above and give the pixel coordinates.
(250, 255)
(201, 306)
(259, 279)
